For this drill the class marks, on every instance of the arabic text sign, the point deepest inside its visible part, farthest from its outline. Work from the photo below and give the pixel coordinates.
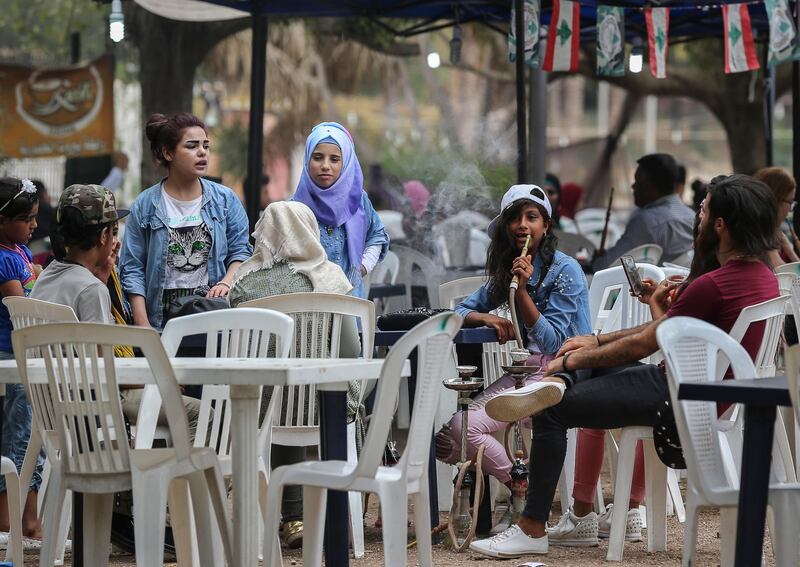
(54, 112)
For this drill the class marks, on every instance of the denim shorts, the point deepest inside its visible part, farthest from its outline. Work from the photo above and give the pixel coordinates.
(17, 420)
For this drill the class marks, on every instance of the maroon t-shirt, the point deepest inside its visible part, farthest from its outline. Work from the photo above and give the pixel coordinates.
(718, 297)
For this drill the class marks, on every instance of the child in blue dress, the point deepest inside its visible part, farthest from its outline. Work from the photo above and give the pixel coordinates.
(19, 205)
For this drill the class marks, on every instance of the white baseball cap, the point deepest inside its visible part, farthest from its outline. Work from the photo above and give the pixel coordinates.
(532, 193)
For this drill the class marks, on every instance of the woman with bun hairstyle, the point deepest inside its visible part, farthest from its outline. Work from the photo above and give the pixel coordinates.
(185, 234)
(332, 186)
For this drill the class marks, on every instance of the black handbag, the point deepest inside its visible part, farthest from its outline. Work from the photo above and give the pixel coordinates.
(191, 304)
(666, 440)
(407, 318)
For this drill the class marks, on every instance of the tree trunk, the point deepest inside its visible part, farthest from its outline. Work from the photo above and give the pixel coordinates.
(169, 54)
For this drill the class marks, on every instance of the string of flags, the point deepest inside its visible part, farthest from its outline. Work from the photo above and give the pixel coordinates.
(561, 48)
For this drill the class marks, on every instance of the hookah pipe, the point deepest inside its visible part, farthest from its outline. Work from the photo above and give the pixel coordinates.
(512, 292)
(602, 248)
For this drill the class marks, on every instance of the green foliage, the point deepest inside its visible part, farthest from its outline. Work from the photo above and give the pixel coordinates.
(232, 149)
(38, 31)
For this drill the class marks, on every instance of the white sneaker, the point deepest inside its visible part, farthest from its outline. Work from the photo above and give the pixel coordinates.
(513, 542)
(515, 404)
(572, 531)
(633, 527)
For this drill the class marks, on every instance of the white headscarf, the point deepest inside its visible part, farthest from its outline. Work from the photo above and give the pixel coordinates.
(288, 231)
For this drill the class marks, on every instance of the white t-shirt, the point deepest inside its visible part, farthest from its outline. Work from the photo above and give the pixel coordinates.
(188, 244)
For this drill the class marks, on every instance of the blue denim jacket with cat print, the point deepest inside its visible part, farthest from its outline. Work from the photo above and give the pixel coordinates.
(144, 247)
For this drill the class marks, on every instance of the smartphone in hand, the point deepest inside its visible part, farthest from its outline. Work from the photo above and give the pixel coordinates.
(634, 279)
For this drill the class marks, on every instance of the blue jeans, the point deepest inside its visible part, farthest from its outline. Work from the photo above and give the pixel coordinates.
(17, 420)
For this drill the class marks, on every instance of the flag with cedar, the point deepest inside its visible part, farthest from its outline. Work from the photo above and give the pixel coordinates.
(531, 28)
(563, 38)
(740, 51)
(657, 38)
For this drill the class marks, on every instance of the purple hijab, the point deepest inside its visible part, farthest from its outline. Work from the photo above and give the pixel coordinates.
(340, 204)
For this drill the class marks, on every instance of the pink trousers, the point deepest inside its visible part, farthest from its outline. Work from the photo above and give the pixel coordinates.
(589, 461)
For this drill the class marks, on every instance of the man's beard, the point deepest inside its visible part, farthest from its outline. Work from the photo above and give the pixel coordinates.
(707, 241)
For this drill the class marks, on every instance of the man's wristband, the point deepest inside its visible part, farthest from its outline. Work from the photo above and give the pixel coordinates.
(597, 336)
(564, 362)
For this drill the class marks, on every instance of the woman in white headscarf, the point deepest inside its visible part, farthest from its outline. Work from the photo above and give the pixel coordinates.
(288, 258)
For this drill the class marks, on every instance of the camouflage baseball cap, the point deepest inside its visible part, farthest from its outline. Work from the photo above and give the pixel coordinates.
(96, 204)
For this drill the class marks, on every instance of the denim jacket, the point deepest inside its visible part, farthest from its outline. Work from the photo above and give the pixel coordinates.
(562, 300)
(144, 247)
(335, 244)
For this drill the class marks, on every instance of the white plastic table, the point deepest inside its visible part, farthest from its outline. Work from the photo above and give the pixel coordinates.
(245, 376)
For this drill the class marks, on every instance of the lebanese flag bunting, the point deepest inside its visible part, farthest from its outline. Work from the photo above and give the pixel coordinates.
(740, 51)
(657, 37)
(563, 38)
(531, 29)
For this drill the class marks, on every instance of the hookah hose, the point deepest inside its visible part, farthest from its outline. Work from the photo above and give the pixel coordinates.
(512, 292)
(477, 495)
(475, 504)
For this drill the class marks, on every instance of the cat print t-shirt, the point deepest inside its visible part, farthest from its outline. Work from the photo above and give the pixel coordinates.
(188, 244)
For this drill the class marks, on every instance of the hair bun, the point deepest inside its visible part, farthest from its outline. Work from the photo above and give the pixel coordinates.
(154, 125)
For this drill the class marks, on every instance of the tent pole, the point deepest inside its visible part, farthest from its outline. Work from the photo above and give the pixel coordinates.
(796, 111)
(769, 114)
(519, 33)
(537, 125)
(255, 137)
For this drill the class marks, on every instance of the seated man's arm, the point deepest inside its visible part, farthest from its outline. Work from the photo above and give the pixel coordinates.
(639, 343)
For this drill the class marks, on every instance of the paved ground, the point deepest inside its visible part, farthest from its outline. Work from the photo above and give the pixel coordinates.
(636, 554)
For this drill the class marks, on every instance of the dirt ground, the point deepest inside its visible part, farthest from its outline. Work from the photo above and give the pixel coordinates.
(636, 554)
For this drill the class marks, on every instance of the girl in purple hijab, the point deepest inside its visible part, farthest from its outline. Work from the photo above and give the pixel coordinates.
(332, 185)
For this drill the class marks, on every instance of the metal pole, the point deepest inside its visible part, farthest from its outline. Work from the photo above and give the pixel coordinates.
(796, 111)
(255, 141)
(769, 108)
(519, 33)
(75, 47)
(538, 125)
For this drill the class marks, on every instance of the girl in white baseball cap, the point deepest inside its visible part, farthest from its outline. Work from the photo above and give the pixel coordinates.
(553, 307)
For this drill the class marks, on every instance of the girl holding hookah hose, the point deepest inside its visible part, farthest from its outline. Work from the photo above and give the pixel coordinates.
(552, 304)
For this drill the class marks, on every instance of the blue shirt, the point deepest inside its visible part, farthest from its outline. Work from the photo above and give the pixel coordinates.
(13, 267)
(334, 241)
(666, 222)
(144, 248)
(562, 301)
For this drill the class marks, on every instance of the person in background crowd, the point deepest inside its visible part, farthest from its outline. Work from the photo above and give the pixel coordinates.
(552, 185)
(87, 227)
(571, 194)
(116, 176)
(289, 258)
(46, 218)
(186, 235)
(417, 196)
(19, 206)
(699, 190)
(783, 187)
(597, 381)
(382, 195)
(661, 217)
(332, 186)
(680, 181)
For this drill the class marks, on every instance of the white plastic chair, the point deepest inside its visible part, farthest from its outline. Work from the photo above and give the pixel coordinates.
(16, 502)
(691, 349)
(393, 485)
(684, 260)
(88, 412)
(571, 243)
(790, 268)
(25, 312)
(385, 272)
(318, 321)
(393, 223)
(670, 271)
(645, 254)
(431, 277)
(243, 333)
(612, 308)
